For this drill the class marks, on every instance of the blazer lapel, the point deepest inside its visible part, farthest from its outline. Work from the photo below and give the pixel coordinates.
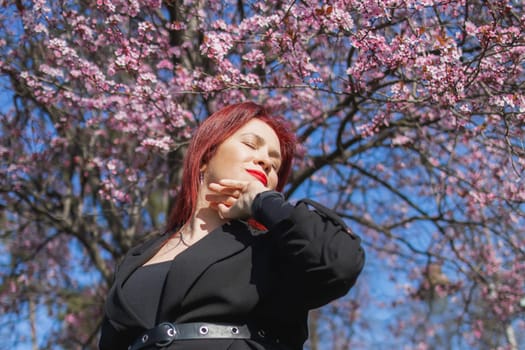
(133, 260)
(139, 255)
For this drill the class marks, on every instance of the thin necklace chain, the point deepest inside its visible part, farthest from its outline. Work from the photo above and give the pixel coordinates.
(174, 243)
(181, 237)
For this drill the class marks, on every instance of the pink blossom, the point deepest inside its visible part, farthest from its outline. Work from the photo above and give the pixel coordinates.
(255, 58)
(217, 45)
(165, 64)
(162, 144)
(400, 140)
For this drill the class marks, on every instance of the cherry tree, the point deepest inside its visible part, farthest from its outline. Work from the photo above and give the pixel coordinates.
(411, 121)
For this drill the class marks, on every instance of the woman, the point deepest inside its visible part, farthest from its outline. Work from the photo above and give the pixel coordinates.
(238, 266)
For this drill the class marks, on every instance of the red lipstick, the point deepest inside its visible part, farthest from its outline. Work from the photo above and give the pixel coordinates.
(259, 175)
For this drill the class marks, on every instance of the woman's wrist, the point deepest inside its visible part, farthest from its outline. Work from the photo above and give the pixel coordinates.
(270, 207)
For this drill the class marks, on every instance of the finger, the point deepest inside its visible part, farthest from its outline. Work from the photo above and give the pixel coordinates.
(224, 211)
(220, 209)
(233, 183)
(234, 192)
(223, 207)
(227, 204)
(219, 198)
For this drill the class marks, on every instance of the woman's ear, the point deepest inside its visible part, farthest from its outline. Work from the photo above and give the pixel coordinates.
(202, 170)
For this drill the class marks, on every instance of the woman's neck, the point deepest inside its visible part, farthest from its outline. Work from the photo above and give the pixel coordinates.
(203, 221)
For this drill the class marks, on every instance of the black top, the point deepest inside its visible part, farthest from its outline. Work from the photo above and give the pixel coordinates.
(238, 276)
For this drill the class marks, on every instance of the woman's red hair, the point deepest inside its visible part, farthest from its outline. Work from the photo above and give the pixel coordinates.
(211, 133)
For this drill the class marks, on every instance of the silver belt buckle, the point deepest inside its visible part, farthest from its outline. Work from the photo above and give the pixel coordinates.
(171, 331)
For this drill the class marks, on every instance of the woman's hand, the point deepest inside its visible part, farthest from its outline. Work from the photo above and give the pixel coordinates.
(233, 198)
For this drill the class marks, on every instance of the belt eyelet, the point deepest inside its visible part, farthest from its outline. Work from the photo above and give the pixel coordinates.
(203, 330)
(144, 338)
(235, 330)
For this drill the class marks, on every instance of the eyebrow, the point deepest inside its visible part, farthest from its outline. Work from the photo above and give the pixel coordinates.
(273, 153)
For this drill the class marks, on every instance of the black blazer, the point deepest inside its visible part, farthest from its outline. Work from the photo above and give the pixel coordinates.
(238, 276)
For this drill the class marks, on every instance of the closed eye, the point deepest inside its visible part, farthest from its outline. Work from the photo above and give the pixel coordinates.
(250, 144)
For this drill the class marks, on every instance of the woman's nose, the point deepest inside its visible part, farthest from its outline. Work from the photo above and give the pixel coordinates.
(264, 162)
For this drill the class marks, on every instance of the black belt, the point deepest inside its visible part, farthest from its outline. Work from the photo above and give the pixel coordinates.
(165, 333)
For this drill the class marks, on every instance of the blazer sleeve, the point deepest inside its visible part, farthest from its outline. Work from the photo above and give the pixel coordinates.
(318, 257)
